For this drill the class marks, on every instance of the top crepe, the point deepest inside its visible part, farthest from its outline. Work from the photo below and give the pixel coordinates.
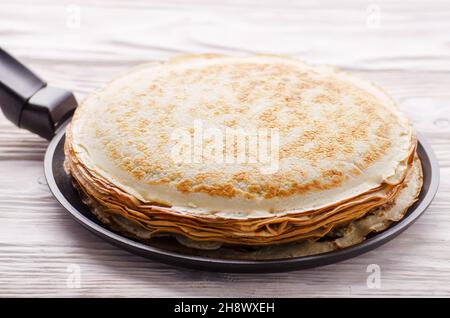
(339, 136)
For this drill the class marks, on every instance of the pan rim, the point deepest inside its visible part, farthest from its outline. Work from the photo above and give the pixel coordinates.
(229, 265)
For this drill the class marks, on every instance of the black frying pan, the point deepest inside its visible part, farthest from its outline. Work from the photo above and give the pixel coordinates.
(29, 103)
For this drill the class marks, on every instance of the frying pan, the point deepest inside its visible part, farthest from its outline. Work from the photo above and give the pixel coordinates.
(30, 103)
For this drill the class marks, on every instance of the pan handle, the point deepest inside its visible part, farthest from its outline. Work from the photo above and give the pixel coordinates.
(28, 102)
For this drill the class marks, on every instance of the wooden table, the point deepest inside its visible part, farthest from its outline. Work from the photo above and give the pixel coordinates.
(403, 46)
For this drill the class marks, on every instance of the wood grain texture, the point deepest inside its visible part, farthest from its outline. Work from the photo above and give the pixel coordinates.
(402, 46)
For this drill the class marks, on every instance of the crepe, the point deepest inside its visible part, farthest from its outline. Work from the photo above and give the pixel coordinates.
(355, 232)
(344, 150)
(346, 235)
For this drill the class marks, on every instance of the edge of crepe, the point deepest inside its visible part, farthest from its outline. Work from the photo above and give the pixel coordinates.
(355, 233)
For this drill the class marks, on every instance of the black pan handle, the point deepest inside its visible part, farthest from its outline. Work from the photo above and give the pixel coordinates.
(28, 102)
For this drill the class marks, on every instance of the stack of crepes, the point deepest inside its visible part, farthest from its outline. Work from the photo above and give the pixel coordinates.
(343, 157)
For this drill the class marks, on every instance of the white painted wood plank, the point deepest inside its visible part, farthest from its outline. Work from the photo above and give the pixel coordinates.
(408, 53)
